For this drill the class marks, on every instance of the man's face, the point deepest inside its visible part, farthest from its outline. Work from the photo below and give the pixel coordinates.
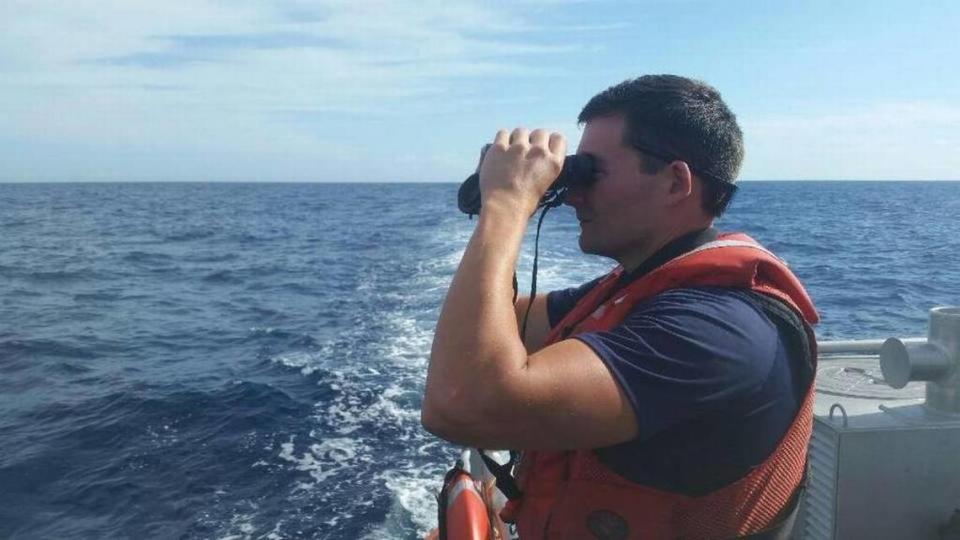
(617, 211)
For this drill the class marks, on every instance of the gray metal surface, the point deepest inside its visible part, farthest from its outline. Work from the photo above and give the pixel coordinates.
(820, 502)
(860, 376)
(944, 394)
(893, 476)
(857, 346)
(884, 456)
(937, 361)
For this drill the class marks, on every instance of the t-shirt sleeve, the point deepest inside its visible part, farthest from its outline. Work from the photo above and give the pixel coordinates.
(559, 303)
(688, 353)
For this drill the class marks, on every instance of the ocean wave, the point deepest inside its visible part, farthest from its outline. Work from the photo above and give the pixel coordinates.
(222, 276)
(162, 455)
(206, 257)
(300, 288)
(21, 348)
(322, 460)
(146, 257)
(24, 293)
(59, 276)
(304, 362)
(189, 235)
(415, 490)
(68, 368)
(97, 297)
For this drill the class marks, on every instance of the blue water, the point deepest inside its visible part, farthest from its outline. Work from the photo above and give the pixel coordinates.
(246, 361)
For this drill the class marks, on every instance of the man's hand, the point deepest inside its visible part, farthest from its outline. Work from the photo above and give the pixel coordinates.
(519, 167)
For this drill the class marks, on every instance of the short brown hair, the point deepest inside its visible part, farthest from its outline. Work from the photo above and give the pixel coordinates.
(668, 118)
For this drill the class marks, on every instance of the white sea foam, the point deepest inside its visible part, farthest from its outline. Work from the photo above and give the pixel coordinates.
(304, 361)
(306, 462)
(340, 450)
(349, 413)
(324, 459)
(415, 491)
(409, 344)
(559, 270)
(262, 330)
(376, 370)
(275, 533)
(240, 526)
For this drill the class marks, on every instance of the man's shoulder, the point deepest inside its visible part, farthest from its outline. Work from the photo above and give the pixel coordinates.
(737, 317)
(689, 324)
(704, 301)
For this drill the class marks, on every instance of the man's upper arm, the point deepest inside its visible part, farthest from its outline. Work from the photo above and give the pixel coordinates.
(538, 323)
(690, 353)
(565, 398)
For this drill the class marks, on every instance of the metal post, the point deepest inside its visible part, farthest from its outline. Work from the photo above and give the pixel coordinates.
(937, 361)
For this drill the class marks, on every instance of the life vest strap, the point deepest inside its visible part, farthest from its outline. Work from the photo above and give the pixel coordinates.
(506, 483)
(782, 527)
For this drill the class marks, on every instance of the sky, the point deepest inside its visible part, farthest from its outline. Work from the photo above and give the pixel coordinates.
(387, 91)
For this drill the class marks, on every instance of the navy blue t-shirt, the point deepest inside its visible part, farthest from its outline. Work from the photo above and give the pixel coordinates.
(711, 381)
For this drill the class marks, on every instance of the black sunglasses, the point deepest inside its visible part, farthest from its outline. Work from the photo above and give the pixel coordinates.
(726, 189)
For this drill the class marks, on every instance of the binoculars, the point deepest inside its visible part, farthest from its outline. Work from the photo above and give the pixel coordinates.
(578, 171)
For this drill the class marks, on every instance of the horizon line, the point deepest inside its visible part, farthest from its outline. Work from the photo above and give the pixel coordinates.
(418, 182)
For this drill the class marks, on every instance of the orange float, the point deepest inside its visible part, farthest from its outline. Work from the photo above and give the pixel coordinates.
(466, 511)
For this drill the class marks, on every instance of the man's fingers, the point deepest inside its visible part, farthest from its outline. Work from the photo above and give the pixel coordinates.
(519, 136)
(483, 153)
(557, 144)
(502, 139)
(539, 137)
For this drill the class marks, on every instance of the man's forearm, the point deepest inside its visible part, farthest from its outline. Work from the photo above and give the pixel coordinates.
(477, 342)
(478, 357)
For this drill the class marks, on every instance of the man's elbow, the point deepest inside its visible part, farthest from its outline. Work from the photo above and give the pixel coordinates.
(440, 421)
(458, 418)
(463, 412)
(432, 421)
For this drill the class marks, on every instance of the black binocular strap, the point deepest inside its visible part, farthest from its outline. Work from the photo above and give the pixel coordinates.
(506, 483)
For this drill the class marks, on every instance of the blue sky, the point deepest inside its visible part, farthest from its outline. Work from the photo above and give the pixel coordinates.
(354, 90)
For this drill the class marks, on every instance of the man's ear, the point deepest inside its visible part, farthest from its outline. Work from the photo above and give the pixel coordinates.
(680, 179)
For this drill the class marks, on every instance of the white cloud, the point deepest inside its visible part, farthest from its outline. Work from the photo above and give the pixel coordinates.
(292, 82)
(364, 50)
(53, 33)
(377, 39)
(211, 77)
(914, 140)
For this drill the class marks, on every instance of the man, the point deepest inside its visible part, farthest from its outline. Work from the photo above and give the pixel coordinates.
(668, 399)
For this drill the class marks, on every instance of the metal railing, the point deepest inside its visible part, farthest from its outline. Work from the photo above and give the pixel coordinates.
(858, 346)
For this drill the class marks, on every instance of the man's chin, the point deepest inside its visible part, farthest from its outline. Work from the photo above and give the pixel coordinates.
(586, 245)
(590, 246)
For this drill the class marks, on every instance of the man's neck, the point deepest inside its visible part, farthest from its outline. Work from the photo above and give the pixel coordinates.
(666, 247)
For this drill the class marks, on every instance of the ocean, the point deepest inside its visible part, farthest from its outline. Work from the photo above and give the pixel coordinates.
(203, 360)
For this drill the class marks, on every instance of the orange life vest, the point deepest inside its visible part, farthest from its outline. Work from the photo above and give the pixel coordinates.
(572, 494)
